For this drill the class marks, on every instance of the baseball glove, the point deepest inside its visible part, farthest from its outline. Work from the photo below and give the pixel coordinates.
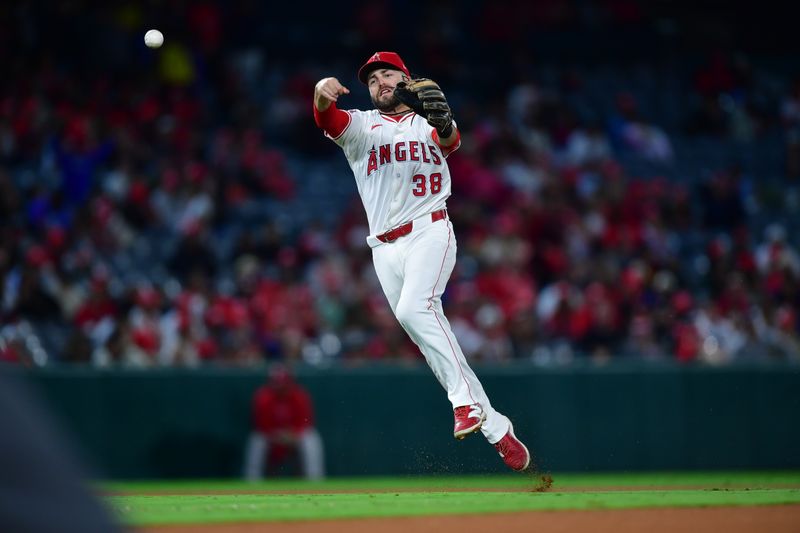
(426, 98)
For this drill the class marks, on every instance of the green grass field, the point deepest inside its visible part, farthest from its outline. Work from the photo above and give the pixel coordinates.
(150, 503)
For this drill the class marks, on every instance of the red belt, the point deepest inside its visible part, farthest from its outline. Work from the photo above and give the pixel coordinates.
(405, 229)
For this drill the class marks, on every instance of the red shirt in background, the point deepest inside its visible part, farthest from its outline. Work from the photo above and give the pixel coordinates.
(285, 407)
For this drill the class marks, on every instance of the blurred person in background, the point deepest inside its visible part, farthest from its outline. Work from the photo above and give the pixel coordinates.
(283, 422)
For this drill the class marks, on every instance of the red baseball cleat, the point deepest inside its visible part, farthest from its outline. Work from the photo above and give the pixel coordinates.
(513, 452)
(469, 419)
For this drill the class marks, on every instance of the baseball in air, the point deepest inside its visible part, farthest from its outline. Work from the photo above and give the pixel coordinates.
(153, 38)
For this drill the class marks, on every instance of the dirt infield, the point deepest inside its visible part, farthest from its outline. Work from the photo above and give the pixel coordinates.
(775, 519)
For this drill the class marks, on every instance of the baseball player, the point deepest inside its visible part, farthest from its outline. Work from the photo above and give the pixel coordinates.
(397, 153)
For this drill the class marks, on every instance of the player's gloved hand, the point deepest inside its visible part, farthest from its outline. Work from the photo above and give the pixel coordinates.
(426, 98)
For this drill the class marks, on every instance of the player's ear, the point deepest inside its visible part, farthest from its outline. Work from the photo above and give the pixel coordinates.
(404, 77)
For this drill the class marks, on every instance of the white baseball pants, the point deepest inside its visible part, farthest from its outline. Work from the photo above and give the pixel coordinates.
(413, 272)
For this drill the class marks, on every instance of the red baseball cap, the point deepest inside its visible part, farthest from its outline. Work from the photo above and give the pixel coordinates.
(382, 60)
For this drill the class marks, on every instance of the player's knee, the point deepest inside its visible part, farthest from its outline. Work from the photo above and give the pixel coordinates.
(408, 311)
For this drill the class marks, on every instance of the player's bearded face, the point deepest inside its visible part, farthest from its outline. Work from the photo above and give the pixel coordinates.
(381, 89)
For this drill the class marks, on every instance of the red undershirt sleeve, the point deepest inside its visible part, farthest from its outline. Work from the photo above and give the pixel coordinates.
(333, 121)
(447, 150)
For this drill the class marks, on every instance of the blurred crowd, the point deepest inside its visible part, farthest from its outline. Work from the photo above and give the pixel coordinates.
(122, 189)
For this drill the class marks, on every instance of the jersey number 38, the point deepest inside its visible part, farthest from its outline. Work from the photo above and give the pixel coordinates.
(421, 184)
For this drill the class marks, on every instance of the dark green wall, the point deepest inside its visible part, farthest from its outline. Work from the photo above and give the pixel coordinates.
(396, 420)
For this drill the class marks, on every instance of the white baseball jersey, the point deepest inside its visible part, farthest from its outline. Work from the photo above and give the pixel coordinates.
(400, 171)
